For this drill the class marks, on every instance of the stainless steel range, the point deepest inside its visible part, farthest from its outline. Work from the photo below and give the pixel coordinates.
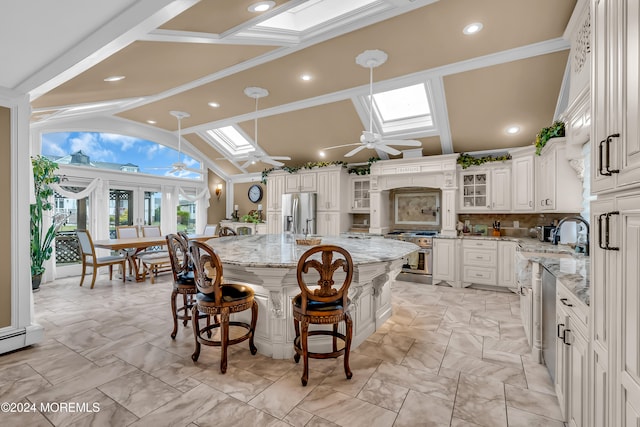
(420, 261)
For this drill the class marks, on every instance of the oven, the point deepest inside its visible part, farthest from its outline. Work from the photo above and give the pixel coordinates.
(420, 261)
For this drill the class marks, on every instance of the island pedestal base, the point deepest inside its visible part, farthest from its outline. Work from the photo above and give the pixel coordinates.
(370, 295)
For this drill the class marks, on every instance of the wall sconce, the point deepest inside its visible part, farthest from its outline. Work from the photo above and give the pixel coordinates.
(218, 191)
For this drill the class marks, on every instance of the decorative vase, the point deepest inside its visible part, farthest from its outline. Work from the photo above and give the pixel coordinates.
(35, 282)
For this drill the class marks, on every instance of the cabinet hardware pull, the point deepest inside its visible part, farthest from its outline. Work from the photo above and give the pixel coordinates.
(606, 232)
(600, 155)
(600, 245)
(610, 171)
(564, 337)
(558, 331)
(564, 302)
(546, 202)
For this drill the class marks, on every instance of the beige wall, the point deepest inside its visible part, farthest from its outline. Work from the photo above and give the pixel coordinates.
(241, 198)
(5, 216)
(216, 211)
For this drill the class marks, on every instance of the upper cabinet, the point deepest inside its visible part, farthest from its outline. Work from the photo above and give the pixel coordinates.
(616, 146)
(485, 189)
(360, 200)
(522, 174)
(300, 182)
(331, 188)
(275, 189)
(558, 188)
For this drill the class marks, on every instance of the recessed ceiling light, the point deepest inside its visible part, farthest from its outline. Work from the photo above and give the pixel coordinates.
(114, 78)
(151, 122)
(306, 77)
(322, 154)
(512, 130)
(261, 6)
(213, 104)
(472, 28)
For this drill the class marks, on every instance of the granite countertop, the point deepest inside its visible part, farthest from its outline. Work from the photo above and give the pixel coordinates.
(281, 250)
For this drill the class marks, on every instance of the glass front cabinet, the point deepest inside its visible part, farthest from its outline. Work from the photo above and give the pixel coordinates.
(360, 201)
(475, 187)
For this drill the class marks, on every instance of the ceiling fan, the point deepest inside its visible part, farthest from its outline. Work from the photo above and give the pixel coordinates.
(251, 159)
(369, 139)
(180, 166)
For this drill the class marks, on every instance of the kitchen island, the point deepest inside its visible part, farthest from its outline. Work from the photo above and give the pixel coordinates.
(268, 263)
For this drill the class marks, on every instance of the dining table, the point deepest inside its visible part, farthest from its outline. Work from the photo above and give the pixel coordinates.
(132, 246)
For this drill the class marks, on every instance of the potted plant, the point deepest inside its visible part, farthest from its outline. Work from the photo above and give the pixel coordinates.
(556, 130)
(41, 240)
(252, 217)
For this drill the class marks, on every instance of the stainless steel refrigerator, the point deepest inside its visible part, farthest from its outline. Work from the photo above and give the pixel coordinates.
(299, 213)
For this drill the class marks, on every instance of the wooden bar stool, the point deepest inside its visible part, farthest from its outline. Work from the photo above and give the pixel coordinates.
(326, 305)
(215, 298)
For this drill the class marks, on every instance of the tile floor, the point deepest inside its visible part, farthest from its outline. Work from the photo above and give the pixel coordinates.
(447, 357)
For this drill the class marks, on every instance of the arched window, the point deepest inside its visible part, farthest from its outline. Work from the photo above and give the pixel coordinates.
(116, 152)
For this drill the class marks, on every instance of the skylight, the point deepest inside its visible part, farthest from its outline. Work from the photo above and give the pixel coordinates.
(313, 13)
(405, 109)
(232, 141)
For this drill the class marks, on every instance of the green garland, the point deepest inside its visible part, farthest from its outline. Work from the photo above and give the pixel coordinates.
(556, 130)
(363, 170)
(467, 160)
(308, 165)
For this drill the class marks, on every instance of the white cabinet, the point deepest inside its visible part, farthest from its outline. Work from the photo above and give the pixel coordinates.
(486, 190)
(523, 183)
(479, 262)
(300, 182)
(474, 191)
(506, 264)
(500, 191)
(275, 189)
(615, 150)
(274, 222)
(558, 188)
(360, 201)
(615, 169)
(328, 223)
(444, 260)
(572, 368)
(329, 190)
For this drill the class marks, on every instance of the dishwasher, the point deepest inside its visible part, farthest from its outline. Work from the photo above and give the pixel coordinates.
(549, 322)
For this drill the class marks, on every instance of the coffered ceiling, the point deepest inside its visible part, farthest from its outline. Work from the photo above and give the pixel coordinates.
(184, 54)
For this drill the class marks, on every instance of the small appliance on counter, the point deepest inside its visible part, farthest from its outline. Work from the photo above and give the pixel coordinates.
(545, 232)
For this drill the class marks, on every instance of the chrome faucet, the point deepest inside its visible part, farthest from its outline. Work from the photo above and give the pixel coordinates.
(577, 218)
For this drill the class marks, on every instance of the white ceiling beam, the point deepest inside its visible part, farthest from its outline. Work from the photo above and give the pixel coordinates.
(528, 51)
(176, 36)
(139, 19)
(441, 114)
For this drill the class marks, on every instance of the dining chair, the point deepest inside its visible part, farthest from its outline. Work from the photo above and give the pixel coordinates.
(210, 230)
(215, 298)
(155, 259)
(89, 258)
(183, 280)
(326, 304)
(226, 231)
(128, 232)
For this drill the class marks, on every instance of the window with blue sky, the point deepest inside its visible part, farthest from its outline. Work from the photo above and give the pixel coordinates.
(115, 152)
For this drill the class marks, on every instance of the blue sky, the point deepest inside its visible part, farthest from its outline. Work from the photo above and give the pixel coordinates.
(114, 148)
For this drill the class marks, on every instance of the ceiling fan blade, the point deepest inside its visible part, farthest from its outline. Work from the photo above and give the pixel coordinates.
(387, 149)
(404, 142)
(340, 146)
(355, 150)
